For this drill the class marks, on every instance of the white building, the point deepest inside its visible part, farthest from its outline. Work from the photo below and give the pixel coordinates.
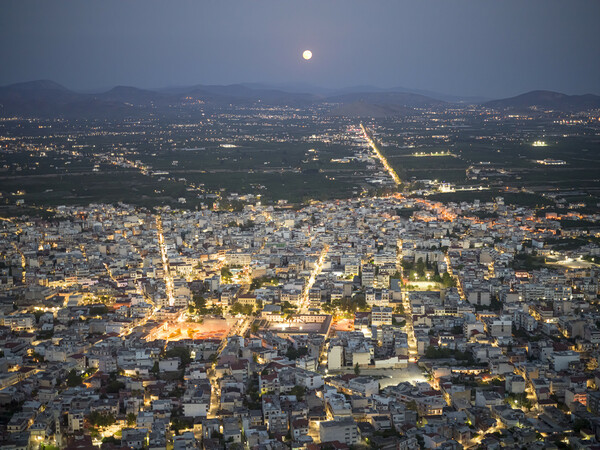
(342, 430)
(335, 357)
(381, 315)
(561, 360)
(501, 327)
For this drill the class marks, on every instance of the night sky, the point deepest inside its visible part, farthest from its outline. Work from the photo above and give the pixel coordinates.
(488, 48)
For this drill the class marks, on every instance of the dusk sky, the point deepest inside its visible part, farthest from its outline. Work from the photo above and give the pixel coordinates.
(486, 48)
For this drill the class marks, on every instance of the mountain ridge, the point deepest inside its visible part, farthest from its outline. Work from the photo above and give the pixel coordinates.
(46, 97)
(547, 99)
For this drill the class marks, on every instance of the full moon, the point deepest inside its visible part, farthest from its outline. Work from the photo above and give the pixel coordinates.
(307, 54)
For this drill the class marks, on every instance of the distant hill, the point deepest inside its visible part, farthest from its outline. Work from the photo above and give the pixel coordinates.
(547, 100)
(133, 96)
(37, 85)
(34, 96)
(47, 98)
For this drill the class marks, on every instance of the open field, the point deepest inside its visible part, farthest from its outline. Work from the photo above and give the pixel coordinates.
(192, 160)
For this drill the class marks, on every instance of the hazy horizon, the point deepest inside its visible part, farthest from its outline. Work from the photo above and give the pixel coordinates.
(463, 48)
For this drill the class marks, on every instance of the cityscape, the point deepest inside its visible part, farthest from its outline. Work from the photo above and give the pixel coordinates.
(269, 266)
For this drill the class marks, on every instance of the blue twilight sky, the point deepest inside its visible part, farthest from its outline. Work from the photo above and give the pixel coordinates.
(487, 48)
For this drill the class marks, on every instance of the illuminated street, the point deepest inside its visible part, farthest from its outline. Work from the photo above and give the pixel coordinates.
(412, 341)
(165, 260)
(381, 158)
(304, 302)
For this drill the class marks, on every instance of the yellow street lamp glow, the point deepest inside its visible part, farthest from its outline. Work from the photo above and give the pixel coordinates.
(307, 54)
(381, 158)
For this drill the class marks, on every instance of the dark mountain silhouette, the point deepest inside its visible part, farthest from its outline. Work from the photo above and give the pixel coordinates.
(547, 100)
(37, 85)
(33, 96)
(134, 96)
(47, 98)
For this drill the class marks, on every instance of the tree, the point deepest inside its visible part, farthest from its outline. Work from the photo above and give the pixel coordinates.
(441, 353)
(182, 353)
(112, 440)
(299, 392)
(287, 307)
(226, 273)
(131, 419)
(357, 369)
(293, 353)
(114, 387)
(238, 308)
(199, 303)
(37, 357)
(398, 323)
(519, 400)
(179, 423)
(399, 309)
(43, 335)
(98, 310)
(420, 266)
(248, 225)
(37, 315)
(361, 302)
(257, 283)
(579, 424)
(447, 280)
(99, 419)
(73, 379)
(177, 392)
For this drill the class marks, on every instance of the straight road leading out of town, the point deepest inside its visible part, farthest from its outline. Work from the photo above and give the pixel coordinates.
(381, 158)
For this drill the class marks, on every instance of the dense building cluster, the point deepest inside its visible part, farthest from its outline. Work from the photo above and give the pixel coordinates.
(393, 322)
